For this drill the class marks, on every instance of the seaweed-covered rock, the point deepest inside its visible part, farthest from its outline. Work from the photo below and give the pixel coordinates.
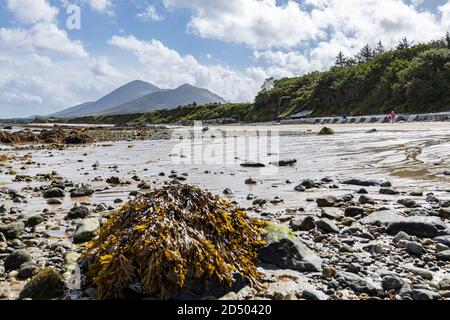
(285, 250)
(326, 131)
(47, 284)
(13, 230)
(171, 237)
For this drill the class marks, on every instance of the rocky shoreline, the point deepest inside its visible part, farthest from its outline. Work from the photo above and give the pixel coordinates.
(374, 241)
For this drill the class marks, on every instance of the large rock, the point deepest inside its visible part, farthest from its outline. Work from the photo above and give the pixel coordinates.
(286, 251)
(358, 284)
(81, 191)
(78, 212)
(16, 259)
(54, 193)
(326, 202)
(424, 227)
(13, 230)
(47, 284)
(444, 240)
(443, 255)
(364, 182)
(326, 131)
(86, 230)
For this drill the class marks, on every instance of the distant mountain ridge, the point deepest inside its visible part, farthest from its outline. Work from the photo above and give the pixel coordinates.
(167, 99)
(140, 97)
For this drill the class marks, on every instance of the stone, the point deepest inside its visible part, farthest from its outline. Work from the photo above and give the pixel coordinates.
(307, 224)
(54, 193)
(390, 192)
(286, 251)
(444, 213)
(392, 282)
(54, 202)
(309, 184)
(78, 212)
(313, 294)
(443, 255)
(27, 270)
(326, 202)
(422, 294)
(444, 284)
(285, 163)
(228, 192)
(326, 131)
(81, 191)
(353, 212)
(363, 182)
(115, 181)
(16, 259)
(250, 181)
(362, 191)
(424, 273)
(47, 284)
(327, 225)
(414, 248)
(229, 296)
(444, 240)
(416, 193)
(300, 188)
(447, 173)
(401, 236)
(13, 230)
(34, 220)
(86, 230)
(424, 227)
(358, 284)
(409, 203)
(364, 199)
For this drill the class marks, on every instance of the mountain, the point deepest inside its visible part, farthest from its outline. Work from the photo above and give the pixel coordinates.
(126, 93)
(166, 99)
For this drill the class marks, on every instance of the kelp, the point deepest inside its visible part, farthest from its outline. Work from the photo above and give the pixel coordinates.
(170, 236)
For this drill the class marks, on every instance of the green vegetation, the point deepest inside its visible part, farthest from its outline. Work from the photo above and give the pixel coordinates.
(410, 78)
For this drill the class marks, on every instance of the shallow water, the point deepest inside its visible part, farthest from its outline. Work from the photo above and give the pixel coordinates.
(410, 156)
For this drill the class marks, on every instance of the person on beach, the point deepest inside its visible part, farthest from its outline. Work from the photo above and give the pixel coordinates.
(392, 117)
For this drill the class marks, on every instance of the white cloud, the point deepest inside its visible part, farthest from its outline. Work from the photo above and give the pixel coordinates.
(167, 68)
(150, 14)
(257, 23)
(41, 37)
(102, 68)
(103, 6)
(32, 11)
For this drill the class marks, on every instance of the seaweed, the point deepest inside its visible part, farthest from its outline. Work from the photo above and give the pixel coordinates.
(166, 238)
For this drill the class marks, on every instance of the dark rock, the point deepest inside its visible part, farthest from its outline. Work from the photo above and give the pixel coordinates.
(228, 192)
(309, 184)
(326, 131)
(13, 230)
(113, 180)
(353, 212)
(443, 255)
(285, 163)
(409, 203)
(27, 270)
(78, 212)
(34, 220)
(444, 240)
(364, 199)
(47, 284)
(300, 188)
(285, 250)
(53, 193)
(326, 202)
(313, 294)
(81, 191)
(387, 191)
(250, 181)
(392, 282)
(327, 226)
(252, 165)
(16, 259)
(362, 191)
(422, 294)
(363, 182)
(54, 201)
(357, 283)
(414, 248)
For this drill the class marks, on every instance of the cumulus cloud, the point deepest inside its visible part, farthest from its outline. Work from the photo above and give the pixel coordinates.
(167, 68)
(32, 11)
(41, 37)
(103, 6)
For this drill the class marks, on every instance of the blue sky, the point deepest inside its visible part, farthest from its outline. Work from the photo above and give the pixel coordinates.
(227, 46)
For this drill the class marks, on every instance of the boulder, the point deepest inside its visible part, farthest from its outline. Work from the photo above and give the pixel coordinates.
(78, 212)
(326, 202)
(53, 193)
(13, 230)
(86, 230)
(47, 284)
(16, 259)
(326, 131)
(358, 284)
(81, 191)
(286, 251)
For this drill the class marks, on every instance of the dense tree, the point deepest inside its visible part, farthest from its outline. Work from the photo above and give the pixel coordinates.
(380, 48)
(447, 40)
(341, 60)
(268, 84)
(365, 54)
(404, 44)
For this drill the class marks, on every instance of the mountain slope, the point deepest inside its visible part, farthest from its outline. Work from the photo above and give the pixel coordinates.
(168, 99)
(126, 93)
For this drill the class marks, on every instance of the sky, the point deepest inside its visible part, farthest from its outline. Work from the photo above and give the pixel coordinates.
(59, 53)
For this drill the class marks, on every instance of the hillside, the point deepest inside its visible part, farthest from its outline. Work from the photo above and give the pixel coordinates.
(126, 93)
(408, 79)
(181, 96)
